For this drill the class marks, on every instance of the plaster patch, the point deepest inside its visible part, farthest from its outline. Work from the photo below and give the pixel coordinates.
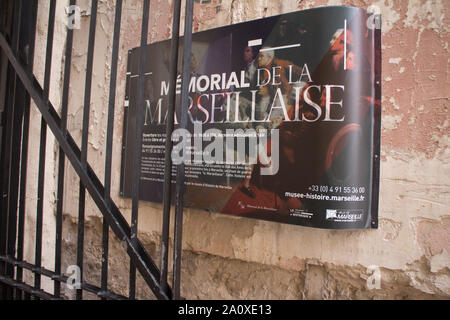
(440, 261)
(434, 236)
(395, 60)
(432, 12)
(390, 229)
(388, 14)
(391, 122)
(392, 100)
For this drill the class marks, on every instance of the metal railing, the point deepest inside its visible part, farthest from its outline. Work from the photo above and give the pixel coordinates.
(18, 87)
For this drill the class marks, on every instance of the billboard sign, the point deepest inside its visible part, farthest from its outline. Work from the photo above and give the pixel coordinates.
(283, 119)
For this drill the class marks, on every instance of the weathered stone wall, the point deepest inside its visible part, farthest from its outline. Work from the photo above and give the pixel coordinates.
(228, 257)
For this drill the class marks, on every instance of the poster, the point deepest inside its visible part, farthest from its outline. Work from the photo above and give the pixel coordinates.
(283, 119)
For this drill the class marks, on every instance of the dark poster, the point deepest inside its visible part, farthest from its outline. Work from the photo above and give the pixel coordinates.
(283, 121)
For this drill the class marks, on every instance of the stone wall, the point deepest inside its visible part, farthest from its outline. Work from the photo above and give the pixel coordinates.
(229, 257)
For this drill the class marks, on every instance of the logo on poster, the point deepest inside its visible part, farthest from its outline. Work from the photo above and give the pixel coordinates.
(331, 213)
(344, 215)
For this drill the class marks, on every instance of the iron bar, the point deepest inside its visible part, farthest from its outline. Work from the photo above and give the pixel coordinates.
(180, 187)
(60, 278)
(137, 156)
(109, 139)
(84, 140)
(62, 158)
(26, 288)
(43, 144)
(24, 155)
(6, 293)
(167, 191)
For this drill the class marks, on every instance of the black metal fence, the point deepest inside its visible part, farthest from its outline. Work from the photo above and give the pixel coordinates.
(18, 88)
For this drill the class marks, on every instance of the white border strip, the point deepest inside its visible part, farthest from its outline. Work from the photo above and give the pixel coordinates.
(345, 44)
(136, 75)
(256, 42)
(282, 47)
